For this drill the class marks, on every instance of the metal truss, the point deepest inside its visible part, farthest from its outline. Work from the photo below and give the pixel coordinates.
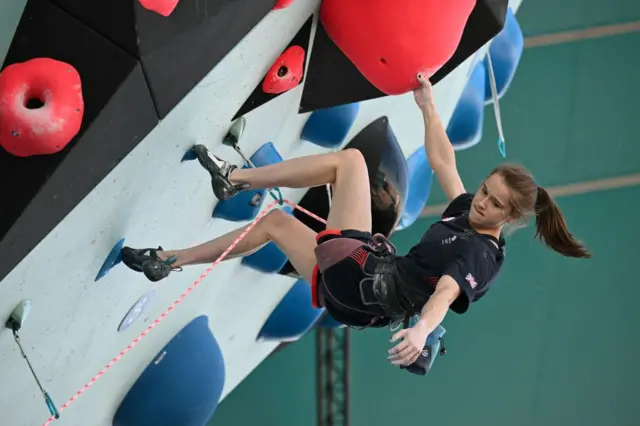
(333, 376)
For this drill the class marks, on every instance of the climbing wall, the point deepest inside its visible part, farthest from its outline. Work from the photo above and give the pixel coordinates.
(137, 84)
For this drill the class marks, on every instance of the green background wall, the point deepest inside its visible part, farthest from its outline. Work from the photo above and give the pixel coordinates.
(557, 340)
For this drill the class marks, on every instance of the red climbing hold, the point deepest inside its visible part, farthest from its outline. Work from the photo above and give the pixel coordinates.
(390, 42)
(286, 71)
(161, 7)
(41, 107)
(282, 4)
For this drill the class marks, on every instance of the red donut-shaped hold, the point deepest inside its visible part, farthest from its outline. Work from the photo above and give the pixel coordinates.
(161, 7)
(391, 41)
(282, 4)
(286, 72)
(41, 107)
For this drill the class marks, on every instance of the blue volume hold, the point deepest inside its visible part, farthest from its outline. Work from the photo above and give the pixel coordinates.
(465, 127)
(181, 386)
(268, 259)
(113, 258)
(246, 204)
(420, 183)
(328, 127)
(293, 317)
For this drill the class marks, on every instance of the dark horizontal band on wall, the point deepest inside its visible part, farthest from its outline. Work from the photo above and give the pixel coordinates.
(583, 34)
(566, 190)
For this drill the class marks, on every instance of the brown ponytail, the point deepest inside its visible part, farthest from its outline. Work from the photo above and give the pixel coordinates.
(527, 199)
(552, 228)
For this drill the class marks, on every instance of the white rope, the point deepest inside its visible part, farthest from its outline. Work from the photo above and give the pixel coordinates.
(496, 107)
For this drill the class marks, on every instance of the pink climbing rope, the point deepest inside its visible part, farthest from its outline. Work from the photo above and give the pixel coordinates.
(157, 321)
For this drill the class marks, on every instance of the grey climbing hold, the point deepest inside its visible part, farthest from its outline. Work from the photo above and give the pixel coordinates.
(136, 310)
(19, 315)
(235, 132)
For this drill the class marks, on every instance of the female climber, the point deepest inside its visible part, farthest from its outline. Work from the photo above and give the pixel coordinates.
(357, 276)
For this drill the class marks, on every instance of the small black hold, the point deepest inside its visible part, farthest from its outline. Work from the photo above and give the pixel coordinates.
(282, 71)
(15, 133)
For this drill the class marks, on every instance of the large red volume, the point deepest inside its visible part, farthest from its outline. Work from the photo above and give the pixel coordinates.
(161, 7)
(286, 71)
(391, 41)
(41, 107)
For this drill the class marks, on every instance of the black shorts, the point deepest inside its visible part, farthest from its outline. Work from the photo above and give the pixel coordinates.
(339, 287)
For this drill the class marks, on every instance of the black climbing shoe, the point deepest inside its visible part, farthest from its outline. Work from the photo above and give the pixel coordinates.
(148, 262)
(219, 171)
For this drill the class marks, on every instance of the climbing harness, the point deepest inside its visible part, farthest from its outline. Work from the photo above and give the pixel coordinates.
(383, 302)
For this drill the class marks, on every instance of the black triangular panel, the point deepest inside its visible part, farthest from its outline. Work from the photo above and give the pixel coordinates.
(332, 79)
(40, 191)
(258, 97)
(176, 51)
(485, 22)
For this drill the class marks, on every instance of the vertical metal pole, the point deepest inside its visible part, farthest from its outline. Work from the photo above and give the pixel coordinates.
(320, 396)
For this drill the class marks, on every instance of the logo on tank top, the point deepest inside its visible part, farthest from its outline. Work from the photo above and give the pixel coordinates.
(472, 281)
(449, 240)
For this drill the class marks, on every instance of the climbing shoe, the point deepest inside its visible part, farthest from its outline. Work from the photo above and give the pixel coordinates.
(148, 262)
(219, 171)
